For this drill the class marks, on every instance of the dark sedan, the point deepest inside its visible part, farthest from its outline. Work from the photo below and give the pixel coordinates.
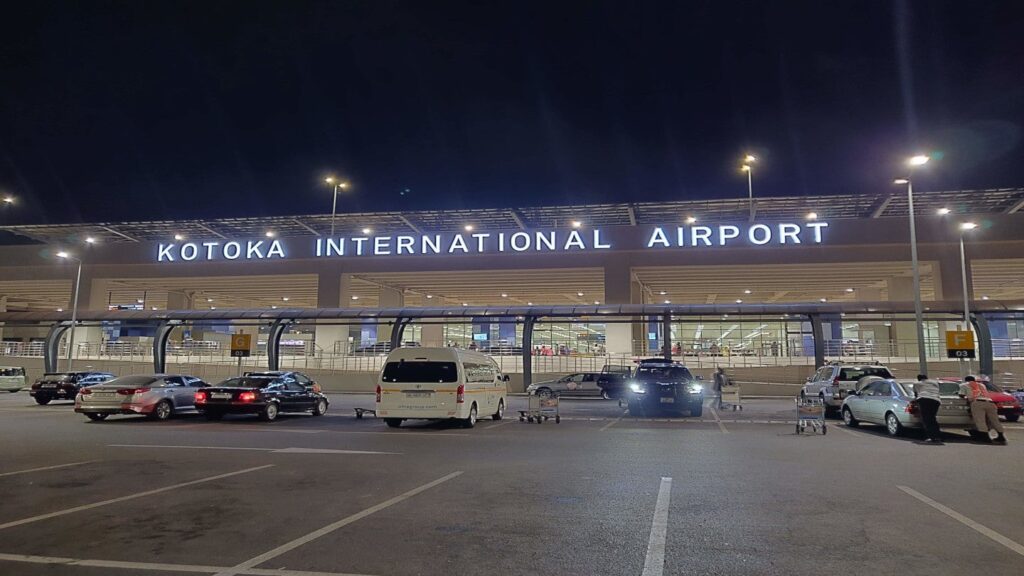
(265, 395)
(65, 385)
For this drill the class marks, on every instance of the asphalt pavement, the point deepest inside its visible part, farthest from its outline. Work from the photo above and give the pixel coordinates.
(600, 493)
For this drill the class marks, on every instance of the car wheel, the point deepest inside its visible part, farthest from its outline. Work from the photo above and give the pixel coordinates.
(1012, 417)
(892, 424)
(320, 408)
(96, 416)
(393, 422)
(43, 400)
(209, 415)
(848, 418)
(471, 421)
(696, 409)
(269, 413)
(162, 410)
(501, 411)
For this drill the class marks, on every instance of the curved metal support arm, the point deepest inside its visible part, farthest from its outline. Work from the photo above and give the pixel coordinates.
(274, 342)
(160, 337)
(51, 350)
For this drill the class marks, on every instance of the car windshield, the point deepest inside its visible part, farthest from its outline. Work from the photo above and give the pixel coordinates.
(663, 373)
(420, 371)
(949, 388)
(59, 377)
(992, 387)
(862, 371)
(131, 381)
(249, 382)
(12, 371)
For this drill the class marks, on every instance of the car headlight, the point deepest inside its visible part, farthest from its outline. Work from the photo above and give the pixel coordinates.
(635, 387)
(696, 388)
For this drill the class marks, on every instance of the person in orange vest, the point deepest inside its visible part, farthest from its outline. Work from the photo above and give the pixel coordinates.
(983, 409)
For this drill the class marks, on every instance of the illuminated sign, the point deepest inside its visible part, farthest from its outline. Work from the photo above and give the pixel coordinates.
(522, 242)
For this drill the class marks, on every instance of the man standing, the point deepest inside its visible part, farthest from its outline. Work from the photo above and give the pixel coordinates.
(721, 381)
(983, 410)
(928, 401)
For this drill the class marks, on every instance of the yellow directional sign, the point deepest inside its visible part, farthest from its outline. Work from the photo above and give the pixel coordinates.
(240, 345)
(959, 344)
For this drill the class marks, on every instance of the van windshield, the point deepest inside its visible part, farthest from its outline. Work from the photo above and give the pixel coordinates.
(420, 371)
(12, 371)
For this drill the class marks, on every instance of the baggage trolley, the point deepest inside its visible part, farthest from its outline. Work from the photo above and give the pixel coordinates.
(730, 396)
(540, 409)
(810, 413)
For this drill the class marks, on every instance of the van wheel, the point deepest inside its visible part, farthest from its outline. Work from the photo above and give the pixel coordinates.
(471, 421)
(393, 422)
(501, 411)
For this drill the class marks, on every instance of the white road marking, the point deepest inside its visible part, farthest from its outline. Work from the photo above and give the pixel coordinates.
(502, 423)
(654, 563)
(158, 567)
(271, 450)
(46, 468)
(983, 530)
(717, 419)
(846, 430)
(129, 497)
(613, 422)
(243, 567)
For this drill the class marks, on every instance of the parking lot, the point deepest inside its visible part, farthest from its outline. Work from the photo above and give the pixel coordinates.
(599, 493)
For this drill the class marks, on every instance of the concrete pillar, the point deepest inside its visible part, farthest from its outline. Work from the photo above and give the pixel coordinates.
(179, 300)
(903, 334)
(868, 294)
(901, 289)
(333, 290)
(389, 298)
(948, 279)
(619, 288)
(432, 335)
(3, 308)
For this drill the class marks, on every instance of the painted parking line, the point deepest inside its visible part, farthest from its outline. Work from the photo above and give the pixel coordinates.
(497, 424)
(981, 529)
(270, 450)
(614, 422)
(158, 567)
(55, 467)
(654, 562)
(242, 567)
(717, 419)
(83, 507)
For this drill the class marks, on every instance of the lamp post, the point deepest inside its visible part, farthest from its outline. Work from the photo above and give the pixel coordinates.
(922, 359)
(965, 227)
(74, 305)
(748, 167)
(334, 206)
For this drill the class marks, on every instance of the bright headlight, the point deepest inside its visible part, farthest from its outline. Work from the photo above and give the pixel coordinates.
(636, 388)
(696, 388)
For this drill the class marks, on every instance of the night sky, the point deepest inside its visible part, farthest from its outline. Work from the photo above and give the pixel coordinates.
(148, 110)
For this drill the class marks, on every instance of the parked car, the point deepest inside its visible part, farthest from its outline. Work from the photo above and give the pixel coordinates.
(831, 382)
(578, 384)
(1007, 405)
(12, 378)
(891, 403)
(265, 394)
(613, 380)
(65, 385)
(659, 385)
(158, 396)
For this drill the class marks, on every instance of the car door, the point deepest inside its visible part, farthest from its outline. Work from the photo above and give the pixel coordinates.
(588, 385)
(174, 390)
(814, 384)
(572, 384)
(189, 390)
(879, 401)
(858, 403)
(295, 397)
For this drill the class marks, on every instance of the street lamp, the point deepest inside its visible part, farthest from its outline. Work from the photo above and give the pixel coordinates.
(748, 167)
(334, 206)
(922, 360)
(965, 227)
(74, 306)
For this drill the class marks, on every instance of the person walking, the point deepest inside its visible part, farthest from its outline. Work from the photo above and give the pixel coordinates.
(929, 401)
(983, 410)
(721, 381)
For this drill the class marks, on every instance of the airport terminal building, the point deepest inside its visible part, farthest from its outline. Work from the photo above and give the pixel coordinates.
(779, 285)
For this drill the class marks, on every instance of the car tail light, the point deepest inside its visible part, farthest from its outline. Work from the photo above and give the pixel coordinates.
(85, 391)
(460, 394)
(911, 407)
(131, 391)
(247, 396)
(378, 392)
(200, 397)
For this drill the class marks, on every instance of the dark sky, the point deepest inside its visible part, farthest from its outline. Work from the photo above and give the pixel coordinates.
(150, 110)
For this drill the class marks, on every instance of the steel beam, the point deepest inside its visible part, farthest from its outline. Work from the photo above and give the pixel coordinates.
(818, 335)
(51, 349)
(528, 323)
(274, 342)
(986, 361)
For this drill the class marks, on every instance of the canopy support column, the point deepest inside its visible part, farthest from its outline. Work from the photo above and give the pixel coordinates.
(986, 361)
(274, 342)
(528, 350)
(51, 350)
(818, 335)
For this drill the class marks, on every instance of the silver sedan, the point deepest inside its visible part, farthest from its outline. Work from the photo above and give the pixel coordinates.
(157, 396)
(891, 403)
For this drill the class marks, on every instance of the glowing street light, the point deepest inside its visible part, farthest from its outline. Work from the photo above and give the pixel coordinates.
(922, 359)
(270, 234)
(74, 305)
(577, 224)
(179, 237)
(965, 227)
(8, 200)
(468, 227)
(90, 240)
(919, 160)
(748, 167)
(332, 181)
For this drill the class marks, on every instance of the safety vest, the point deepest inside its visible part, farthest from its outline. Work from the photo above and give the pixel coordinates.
(977, 391)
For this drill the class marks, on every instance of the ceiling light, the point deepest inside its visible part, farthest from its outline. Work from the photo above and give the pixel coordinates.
(153, 308)
(596, 302)
(668, 301)
(662, 293)
(849, 290)
(984, 297)
(179, 237)
(824, 299)
(529, 303)
(691, 219)
(812, 215)
(464, 304)
(746, 291)
(140, 301)
(943, 211)
(354, 297)
(429, 296)
(269, 234)
(60, 309)
(213, 307)
(739, 301)
(468, 227)
(273, 307)
(504, 295)
(90, 240)
(576, 224)
(367, 231)
(209, 299)
(579, 294)
(285, 298)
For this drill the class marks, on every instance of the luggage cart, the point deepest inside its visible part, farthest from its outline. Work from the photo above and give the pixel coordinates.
(730, 397)
(810, 413)
(540, 409)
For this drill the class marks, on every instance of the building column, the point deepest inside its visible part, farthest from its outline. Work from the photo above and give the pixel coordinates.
(432, 335)
(179, 300)
(3, 308)
(868, 294)
(619, 288)
(902, 334)
(333, 290)
(93, 294)
(389, 298)
(948, 278)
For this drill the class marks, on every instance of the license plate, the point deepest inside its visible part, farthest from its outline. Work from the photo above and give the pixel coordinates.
(221, 395)
(103, 394)
(417, 394)
(668, 400)
(49, 385)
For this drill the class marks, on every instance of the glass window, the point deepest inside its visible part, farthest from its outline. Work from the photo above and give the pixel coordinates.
(883, 389)
(860, 372)
(869, 388)
(420, 371)
(132, 381)
(669, 373)
(293, 386)
(302, 379)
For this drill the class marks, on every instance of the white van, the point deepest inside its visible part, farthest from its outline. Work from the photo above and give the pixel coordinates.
(12, 378)
(440, 383)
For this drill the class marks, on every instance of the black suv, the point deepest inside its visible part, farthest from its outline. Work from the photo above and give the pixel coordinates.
(660, 385)
(65, 385)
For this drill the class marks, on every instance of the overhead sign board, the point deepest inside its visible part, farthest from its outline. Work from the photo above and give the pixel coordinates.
(240, 345)
(959, 344)
(689, 237)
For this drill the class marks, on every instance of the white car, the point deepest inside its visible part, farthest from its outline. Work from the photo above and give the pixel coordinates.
(438, 384)
(831, 382)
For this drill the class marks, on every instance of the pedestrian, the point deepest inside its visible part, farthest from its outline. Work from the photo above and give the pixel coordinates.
(721, 381)
(929, 401)
(983, 410)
